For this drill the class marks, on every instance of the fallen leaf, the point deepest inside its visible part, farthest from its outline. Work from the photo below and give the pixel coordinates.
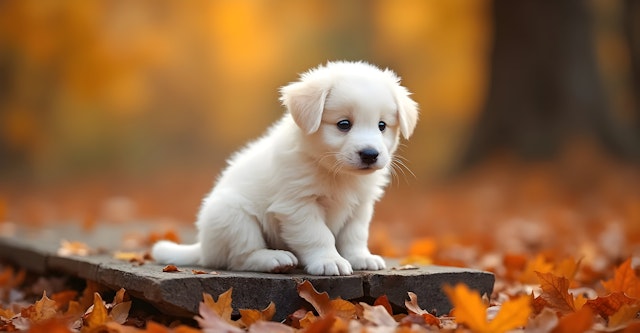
(63, 298)
(513, 313)
(471, 311)
(73, 248)
(99, 316)
(210, 321)
(624, 280)
(555, 291)
(249, 317)
(579, 321)
(222, 307)
(197, 272)
(133, 257)
(53, 325)
(120, 312)
(43, 309)
(625, 314)
(468, 307)
(606, 306)
(323, 305)
(538, 265)
(270, 327)
(378, 315)
(408, 266)
(170, 269)
(384, 302)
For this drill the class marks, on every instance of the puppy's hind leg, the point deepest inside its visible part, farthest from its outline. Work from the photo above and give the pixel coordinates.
(235, 241)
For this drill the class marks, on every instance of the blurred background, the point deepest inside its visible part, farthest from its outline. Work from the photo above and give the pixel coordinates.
(530, 110)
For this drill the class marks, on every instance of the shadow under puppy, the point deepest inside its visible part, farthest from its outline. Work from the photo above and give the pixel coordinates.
(303, 194)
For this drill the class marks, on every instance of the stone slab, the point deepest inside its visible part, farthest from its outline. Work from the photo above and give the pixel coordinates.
(179, 293)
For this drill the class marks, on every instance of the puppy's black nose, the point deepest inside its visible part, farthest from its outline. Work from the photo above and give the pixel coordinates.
(368, 156)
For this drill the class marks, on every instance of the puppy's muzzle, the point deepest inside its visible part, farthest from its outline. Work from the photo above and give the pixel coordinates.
(368, 156)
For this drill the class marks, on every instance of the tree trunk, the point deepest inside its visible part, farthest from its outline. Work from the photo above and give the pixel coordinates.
(545, 86)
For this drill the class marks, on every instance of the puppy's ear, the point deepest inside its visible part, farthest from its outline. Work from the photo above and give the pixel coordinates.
(407, 111)
(305, 102)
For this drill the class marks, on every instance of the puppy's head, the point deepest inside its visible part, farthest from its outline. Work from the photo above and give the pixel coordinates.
(352, 114)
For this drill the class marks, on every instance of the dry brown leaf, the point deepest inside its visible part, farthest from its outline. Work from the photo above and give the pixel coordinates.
(133, 257)
(76, 248)
(171, 269)
(53, 325)
(249, 317)
(323, 305)
(624, 280)
(555, 291)
(43, 309)
(384, 301)
(63, 298)
(212, 321)
(222, 307)
(606, 306)
(378, 315)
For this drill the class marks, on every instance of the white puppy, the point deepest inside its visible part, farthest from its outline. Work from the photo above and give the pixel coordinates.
(304, 193)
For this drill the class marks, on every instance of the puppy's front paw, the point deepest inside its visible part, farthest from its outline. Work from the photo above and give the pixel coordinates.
(329, 266)
(368, 262)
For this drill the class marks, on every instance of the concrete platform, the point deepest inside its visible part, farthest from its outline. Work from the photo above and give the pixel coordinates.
(179, 293)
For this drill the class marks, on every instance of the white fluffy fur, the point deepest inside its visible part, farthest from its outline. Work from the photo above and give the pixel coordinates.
(302, 195)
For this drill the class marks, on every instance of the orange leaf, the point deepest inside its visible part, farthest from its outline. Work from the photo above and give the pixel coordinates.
(555, 291)
(322, 303)
(624, 280)
(54, 325)
(378, 315)
(513, 313)
(468, 307)
(43, 309)
(170, 269)
(539, 264)
(64, 297)
(606, 306)
(211, 321)
(249, 317)
(470, 310)
(222, 307)
(384, 302)
(624, 315)
(98, 316)
(579, 321)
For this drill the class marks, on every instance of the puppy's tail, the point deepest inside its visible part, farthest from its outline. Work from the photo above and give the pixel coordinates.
(166, 252)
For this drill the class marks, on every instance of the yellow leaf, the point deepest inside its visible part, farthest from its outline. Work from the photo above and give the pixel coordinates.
(513, 313)
(222, 307)
(73, 248)
(98, 317)
(471, 311)
(539, 264)
(468, 307)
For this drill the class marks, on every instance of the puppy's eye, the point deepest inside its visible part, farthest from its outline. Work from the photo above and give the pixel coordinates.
(381, 126)
(344, 125)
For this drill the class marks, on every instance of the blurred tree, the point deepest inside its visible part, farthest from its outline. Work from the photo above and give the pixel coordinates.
(631, 25)
(545, 85)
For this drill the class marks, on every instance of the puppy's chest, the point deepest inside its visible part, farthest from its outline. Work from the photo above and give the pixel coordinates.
(338, 210)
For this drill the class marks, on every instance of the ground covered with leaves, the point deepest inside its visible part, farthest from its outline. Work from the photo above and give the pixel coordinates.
(562, 239)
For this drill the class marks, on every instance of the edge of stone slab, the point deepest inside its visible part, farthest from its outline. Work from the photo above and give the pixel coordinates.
(175, 293)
